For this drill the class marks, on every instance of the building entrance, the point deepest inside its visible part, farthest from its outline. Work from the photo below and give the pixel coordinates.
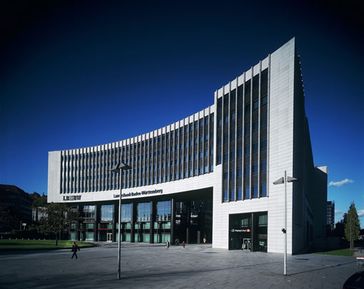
(248, 231)
(193, 221)
(109, 237)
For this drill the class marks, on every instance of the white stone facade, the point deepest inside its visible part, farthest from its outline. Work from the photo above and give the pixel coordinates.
(284, 139)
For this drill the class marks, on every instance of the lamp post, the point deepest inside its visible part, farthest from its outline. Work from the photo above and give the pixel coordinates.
(119, 168)
(284, 180)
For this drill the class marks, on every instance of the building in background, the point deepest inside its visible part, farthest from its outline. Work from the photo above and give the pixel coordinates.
(15, 209)
(330, 215)
(208, 177)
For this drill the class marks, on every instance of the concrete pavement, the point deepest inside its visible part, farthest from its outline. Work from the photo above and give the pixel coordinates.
(150, 266)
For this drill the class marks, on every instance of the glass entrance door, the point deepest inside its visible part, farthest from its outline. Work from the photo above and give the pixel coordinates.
(109, 237)
(246, 245)
(248, 231)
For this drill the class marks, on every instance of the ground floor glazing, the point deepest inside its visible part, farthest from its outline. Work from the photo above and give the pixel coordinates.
(180, 218)
(248, 231)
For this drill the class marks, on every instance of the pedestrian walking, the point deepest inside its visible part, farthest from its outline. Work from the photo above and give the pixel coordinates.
(167, 244)
(183, 244)
(75, 248)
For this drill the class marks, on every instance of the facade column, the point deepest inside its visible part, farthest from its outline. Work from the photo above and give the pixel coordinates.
(114, 220)
(188, 219)
(97, 208)
(78, 224)
(173, 213)
(133, 221)
(152, 220)
(252, 233)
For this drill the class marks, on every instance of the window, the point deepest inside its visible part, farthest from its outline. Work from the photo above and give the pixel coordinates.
(107, 212)
(245, 222)
(163, 211)
(89, 212)
(126, 212)
(263, 220)
(144, 212)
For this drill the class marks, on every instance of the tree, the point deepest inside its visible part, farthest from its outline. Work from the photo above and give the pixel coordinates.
(38, 200)
(9, 219)
(352, 225)
(56, 220)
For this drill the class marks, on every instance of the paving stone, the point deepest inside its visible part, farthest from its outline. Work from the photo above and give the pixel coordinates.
(150, 266)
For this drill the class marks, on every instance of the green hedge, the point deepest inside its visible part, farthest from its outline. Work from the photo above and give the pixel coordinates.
(39, 244)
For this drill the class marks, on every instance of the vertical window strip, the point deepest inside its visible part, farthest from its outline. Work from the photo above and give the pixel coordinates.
(232, 144)
(225, 147)
(211, 140)
(246, 140)
(219, 130)
(259, 140)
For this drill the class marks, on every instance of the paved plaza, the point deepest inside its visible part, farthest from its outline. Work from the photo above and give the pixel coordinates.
(151, 266)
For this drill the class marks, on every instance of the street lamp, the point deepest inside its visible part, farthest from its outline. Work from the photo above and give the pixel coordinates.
(119, 168)
(284, 180)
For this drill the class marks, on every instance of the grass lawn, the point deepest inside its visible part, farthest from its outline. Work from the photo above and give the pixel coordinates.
(340, 252)
(39, 244)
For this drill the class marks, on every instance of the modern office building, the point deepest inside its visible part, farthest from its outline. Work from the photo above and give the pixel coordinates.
(208, 177)
(330, 215)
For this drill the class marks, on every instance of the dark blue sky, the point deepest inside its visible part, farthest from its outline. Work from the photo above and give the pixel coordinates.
(87, 73)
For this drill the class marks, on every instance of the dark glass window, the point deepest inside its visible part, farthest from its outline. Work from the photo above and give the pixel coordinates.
(89, 211)
(107, 212)
(144, 212)
(263, 134)
(219, 131)
(163, 211)
(126, 212)
(264, 84)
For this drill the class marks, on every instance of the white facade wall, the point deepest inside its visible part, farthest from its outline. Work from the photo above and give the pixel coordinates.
(280, 144)
(178, 186)
(54, 176)
(279, 159)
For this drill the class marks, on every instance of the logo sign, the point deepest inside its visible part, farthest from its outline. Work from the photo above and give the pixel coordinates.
(240, 230)
(136, 194)
(72, 198)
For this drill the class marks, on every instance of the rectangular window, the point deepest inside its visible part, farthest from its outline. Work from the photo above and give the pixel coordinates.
(144, 211)
(219, 131)
(126, 212)
(263, 134)
(107, 212)
(89, 211)
(163, 211)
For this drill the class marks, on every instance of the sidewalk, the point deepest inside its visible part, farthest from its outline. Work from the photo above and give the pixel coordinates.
(195, 266)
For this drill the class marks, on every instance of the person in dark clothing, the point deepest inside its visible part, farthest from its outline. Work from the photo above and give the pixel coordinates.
(75, 248)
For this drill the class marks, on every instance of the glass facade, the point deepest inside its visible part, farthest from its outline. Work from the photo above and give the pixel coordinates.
(187, 150)
(162, 224)
(192, 221)
(241, 144)
(150, 222)
(180, 153)
(144, 212)
(248, 231)
(89, 211)
(126, 212)
(107, 212)
(163, 211)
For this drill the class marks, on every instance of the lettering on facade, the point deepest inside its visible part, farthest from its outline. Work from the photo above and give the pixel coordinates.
(240, 230)
(72, 198)
(142, 193)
